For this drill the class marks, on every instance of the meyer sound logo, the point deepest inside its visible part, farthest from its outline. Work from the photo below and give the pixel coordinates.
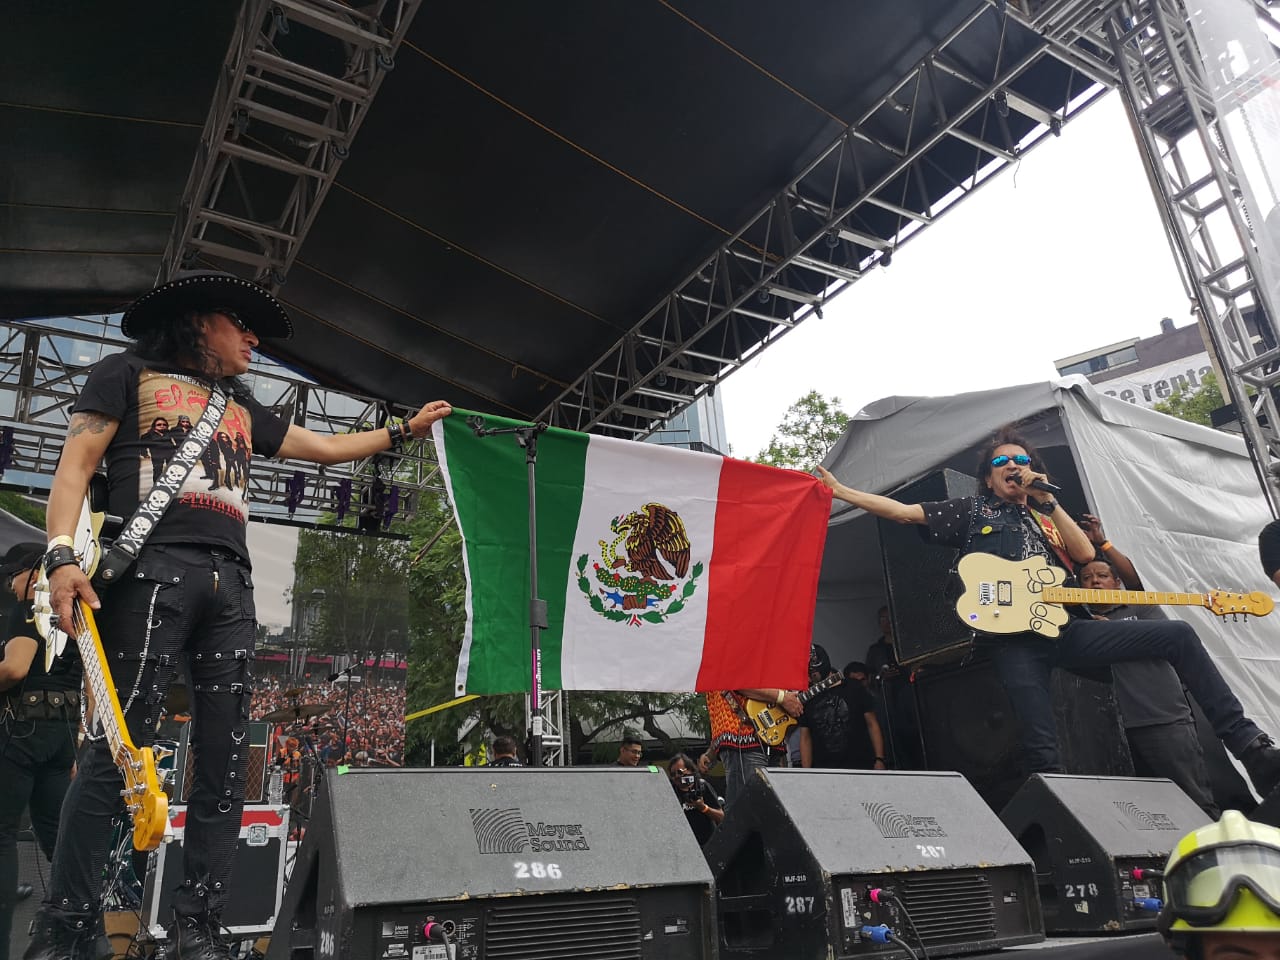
(1145, 819)
(507, 831)
(893, 824)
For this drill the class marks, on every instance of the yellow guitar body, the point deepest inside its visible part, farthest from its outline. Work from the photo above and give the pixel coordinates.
(772, 723)
(1008, 596)
(144, 799)
(1005, 596)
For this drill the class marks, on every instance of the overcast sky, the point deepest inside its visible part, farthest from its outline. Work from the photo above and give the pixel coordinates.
(1061, 253)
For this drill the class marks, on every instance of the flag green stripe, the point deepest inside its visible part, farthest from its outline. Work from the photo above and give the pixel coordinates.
(489, 479)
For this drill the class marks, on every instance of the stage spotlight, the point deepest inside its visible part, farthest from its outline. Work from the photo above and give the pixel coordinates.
(833, 239)
(763, 296)
(1002, 103)
(886, 258)
(660, 380)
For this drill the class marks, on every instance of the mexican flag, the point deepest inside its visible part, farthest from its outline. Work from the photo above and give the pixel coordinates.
(662, 569)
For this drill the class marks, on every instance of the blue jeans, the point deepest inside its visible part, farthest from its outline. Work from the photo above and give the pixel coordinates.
(1024, 663)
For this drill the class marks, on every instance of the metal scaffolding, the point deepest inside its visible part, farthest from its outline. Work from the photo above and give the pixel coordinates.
(555, 743)
(296, 84)
(43, 368)
(1188, 158)
(810, 242)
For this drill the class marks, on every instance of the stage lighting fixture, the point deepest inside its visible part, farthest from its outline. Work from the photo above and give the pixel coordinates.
(886, 258)
(763, 296)
(833, 239)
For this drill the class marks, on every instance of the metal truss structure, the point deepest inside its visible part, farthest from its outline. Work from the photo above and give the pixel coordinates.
(43, 368)
(812, 240)
(296, 84)
(555, 745)
(1188, 159)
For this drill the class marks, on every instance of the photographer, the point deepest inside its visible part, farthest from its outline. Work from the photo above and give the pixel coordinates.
(702, 808)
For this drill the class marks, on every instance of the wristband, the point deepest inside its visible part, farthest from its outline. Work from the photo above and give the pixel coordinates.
(60, 556)
(1046, 508)
(1106, 545)
(61, 541)
(881, 760)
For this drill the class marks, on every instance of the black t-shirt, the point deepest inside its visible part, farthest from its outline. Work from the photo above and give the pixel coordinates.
(837, 724)
(157, 407)
(66, 669)
(701, 824)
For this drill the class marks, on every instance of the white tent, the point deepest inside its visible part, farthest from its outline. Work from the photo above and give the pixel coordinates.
(1180, 499)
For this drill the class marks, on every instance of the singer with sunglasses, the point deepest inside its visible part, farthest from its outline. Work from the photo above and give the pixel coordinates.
(1015, 518)
(185, 590)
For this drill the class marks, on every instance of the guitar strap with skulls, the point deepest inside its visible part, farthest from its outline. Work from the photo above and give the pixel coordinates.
(124, 551)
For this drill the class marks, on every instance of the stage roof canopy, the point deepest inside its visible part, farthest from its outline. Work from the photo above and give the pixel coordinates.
(585, 211)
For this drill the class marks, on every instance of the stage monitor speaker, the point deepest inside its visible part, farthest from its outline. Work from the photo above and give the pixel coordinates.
(255, 788)
(1088, 834)
(511, 863)
(922, 589)
(800, 852)
(968, 725)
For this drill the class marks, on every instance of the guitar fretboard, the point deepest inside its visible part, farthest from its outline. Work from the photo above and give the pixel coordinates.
(1115, 598)
(103, 695)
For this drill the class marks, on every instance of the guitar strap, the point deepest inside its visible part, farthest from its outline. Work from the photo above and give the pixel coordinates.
(1053, 537)
(123, 553)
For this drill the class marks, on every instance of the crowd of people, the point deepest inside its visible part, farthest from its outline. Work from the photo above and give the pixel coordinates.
(372, 727)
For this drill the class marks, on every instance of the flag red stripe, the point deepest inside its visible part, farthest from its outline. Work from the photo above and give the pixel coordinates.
(762, 584)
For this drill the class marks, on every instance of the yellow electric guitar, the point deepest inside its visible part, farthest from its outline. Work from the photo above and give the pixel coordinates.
(1007, 596)
(773, 723)
(144, 799)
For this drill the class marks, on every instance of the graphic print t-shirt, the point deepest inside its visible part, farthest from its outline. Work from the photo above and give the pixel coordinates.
(157, 407)
(837, 723)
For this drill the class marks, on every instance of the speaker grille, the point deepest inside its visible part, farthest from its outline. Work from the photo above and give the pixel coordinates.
(606, 929)
(951, 909)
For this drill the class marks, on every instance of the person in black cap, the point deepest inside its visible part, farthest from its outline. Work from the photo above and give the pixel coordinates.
(39, 713)
(190, 589)
(838, 728)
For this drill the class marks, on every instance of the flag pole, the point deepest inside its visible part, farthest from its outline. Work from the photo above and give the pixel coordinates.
(527, 437)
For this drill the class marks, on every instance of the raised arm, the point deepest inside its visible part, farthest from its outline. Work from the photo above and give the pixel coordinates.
(873, 503)
(303, 444)
(1124, 567)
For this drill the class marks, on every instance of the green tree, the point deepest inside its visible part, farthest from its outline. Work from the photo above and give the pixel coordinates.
(1196, 405)
(809, 429)
(364, 604)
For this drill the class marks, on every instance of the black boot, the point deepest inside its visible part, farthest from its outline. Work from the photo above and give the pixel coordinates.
(58, 936)
(1262, 761)
(196, 938)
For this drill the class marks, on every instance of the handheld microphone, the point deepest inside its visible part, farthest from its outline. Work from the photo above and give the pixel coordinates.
(1045, 486)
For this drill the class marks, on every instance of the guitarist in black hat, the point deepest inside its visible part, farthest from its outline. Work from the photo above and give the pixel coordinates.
(190, 589)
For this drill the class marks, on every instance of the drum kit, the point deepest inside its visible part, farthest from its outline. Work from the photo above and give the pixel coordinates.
(298, 754)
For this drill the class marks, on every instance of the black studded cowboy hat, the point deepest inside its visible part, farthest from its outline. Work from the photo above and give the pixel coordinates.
(21, 556)
(208, 290)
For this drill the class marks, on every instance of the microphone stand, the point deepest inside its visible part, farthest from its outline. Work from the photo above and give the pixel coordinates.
(527, 437)
(346, 712)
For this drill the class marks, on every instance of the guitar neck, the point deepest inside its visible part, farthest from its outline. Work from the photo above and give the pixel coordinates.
(1116, 598)
(97, 675)
(817, 688)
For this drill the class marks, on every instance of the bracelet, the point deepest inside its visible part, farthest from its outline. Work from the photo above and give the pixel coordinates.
(406, 429)
(1046, 508)
(61, 541)
(1106, 545)
(395, 429)
(60, 556)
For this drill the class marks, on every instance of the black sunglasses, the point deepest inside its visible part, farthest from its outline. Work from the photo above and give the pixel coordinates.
(1021, 459)
(234, 318)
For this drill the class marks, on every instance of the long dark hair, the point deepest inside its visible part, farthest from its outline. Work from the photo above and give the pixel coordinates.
(1007, 435)
(180, 342)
